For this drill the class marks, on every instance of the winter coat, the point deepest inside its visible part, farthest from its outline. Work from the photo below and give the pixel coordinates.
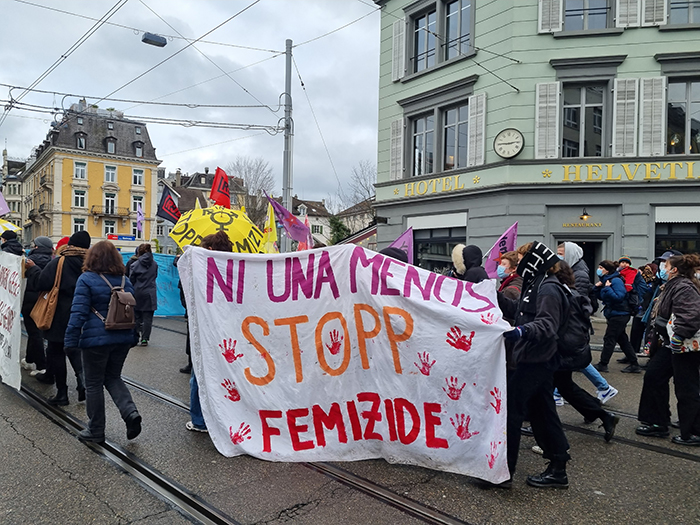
(539, 341)
(143, 274)
(613, 297)
(41, 255)
(472, 260)
(92, 292)
(12, 246)
(582, 276)
(512, 286)
(681, 298)
(42, 280)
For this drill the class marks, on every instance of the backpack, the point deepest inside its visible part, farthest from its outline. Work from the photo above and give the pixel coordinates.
(120, 314)
(636, 295)
(573, 343)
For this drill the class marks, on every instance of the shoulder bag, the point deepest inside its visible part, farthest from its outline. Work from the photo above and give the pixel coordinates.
(45, 306)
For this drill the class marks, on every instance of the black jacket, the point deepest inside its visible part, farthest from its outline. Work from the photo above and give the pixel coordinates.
(42, 280)
(41, 256)
(472, 260)
(681, 298)
(540, 324)
(143, 273)
(582, 276)
(12, 246)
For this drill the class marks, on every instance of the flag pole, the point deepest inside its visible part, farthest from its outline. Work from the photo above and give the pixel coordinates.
(288, 134)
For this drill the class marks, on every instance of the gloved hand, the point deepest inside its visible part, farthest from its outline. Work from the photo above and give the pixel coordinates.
(676, 343)
(515, 334)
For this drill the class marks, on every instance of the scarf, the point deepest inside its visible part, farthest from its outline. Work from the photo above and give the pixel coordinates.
(73, 251)
(533, 269)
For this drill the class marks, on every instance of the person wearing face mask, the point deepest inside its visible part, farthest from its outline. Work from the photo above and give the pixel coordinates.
(680, 298)
(511, 282)
(612, 293)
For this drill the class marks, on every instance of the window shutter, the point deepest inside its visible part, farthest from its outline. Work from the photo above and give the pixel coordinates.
(652, 116)
(627, 13)
(653, 12)
(547, 120)
(396, 151)
(477, 130)
(398, 51)
(550, 16)
(624, 139)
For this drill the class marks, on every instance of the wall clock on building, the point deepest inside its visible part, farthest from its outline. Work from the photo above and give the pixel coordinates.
(508, 143)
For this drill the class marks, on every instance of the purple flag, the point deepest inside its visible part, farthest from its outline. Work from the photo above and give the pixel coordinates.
(4, 208)
(405, 244)
(292, 225)
(140, 218)
(505, 243)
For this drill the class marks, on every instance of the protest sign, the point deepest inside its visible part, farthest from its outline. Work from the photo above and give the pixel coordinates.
(341, 354)
(10, 324)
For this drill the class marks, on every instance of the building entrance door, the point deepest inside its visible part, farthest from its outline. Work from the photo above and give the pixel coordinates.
(592, 254)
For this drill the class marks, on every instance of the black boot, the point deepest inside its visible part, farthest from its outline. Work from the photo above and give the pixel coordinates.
(554, 476)
(81, 386)
(60, 399)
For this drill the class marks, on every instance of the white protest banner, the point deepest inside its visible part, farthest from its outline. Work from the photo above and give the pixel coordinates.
(341, 354)
(10, 325)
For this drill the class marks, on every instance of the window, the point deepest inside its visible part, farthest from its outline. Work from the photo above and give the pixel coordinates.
(135, 201)
(684, 12)
(138, 130)
(110, 228)
(78, 225)
(138, 178)
(684, 237)
(110, 174)
(138, 149)
(580, 15)
(424, 31)
(423, 132)
(80, 141)
(457, 28)
(110, 125)
(433, 248)
(79, 198)
(110, 199)
(80, 120)
(159, 231)
(583, 121)
(302, 209)
(135, 230)
(683, 117)
(317, 228)
(111, 147)
(80, 169)
(455, 133)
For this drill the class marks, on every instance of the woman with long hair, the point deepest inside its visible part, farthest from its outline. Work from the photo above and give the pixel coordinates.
(104, 351)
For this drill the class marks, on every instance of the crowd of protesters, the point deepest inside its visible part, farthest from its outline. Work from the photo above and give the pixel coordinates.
(538, 290)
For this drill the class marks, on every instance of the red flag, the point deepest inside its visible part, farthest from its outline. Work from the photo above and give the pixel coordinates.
(219, 189)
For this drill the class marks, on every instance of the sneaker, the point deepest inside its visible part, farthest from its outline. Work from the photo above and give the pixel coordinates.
(191, 426)
(144, 342)
(526, 431)
(623, 361)
(537, 450)
(187, 369)
(558, 400)
(35, 373)
(676, 424)
(652, 431)
(601, 367)
(27, 366)
(44, 378)
(606, 395)
(692, 441)
(632, 369)
(86, 435)
(610, 421)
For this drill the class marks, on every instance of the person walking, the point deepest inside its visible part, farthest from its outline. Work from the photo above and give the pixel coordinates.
(142, 273)
(511, 282)
(41, 254)
(679, 304)
(612, 293)
(10, 244)
(467, 263)
(538, 314)
(103, 351)
(73, 255)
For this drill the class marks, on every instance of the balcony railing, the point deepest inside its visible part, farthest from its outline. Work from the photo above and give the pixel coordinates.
(33, 213)
(46, 180)
(109, 211)
(45, 208)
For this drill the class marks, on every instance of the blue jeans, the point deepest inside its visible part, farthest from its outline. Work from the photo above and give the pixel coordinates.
(195, 408)
(594, 377)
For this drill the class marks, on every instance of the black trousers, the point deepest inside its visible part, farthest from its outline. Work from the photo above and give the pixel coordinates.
(654, 402)
(531, 393)
(35, 343)
(583, 402)
(56, 361)
(615, 333)
(144, 323)
(686, 379)
(637, 334)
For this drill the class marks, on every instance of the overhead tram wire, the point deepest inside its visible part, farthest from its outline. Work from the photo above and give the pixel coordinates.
(337, 29)
(210, 60)
(112, 11)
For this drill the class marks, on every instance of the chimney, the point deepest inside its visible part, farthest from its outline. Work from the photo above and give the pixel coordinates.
(178, 178)
(206, 170)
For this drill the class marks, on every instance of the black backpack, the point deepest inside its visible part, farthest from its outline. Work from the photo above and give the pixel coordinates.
(574, 335)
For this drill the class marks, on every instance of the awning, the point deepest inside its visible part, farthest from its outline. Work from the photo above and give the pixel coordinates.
(678, 214)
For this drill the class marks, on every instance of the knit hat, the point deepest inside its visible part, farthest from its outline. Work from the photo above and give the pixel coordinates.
(626, 259)
(80, 239)
(395, 253)
(44, 242)
(8, 235)
(536, 261)
(62, 242)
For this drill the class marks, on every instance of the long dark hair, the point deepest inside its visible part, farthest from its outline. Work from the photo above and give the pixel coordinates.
(564, 273)
(686, 265)
(103, 257)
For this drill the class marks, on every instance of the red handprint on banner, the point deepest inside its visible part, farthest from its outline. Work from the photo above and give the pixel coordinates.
(488, 318)
(453, 392)
(456, 339)
(241, 434)
(425, 365)
(461, 424)
(232, 394)
(497, 398)
(229, 350)
(336, 339)
(493, 455)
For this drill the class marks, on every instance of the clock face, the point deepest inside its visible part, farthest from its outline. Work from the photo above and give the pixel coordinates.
(508, 143)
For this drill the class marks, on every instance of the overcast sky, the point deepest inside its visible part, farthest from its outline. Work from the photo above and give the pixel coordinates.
(339, 71)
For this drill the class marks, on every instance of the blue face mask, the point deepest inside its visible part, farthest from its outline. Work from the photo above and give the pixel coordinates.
(501, 272)
(663, 274)
(599, 272)
(561, 257)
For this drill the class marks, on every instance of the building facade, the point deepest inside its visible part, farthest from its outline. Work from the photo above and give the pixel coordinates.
(579, 119)
(12, 187)
(91, 173)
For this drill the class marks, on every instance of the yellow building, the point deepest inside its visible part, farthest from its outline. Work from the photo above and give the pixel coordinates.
(91, 173)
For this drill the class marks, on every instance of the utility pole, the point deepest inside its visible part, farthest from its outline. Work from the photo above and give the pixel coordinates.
(288, 135)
